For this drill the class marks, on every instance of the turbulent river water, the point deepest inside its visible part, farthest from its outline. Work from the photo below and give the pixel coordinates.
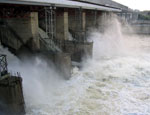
(115, 82)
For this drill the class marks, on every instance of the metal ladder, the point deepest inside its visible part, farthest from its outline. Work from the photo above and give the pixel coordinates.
(50, 27)
(50, 21)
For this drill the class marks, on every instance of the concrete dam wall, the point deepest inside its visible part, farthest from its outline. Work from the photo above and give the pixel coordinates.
(57, 34)
(141, 27)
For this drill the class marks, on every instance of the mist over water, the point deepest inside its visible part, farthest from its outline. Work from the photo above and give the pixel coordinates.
(115, 82)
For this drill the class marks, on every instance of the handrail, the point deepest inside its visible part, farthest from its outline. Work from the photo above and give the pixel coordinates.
(3, 65)
(50, 44)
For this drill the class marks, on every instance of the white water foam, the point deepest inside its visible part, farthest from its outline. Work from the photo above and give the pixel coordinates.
(115, 82)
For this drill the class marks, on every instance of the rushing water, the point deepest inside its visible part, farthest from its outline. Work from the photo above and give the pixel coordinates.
(110, 85)
(115, 82)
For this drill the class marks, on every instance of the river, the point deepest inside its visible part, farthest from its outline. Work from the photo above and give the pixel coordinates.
(116, 81)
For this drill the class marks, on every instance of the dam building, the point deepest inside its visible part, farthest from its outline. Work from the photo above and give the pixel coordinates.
(56, 30)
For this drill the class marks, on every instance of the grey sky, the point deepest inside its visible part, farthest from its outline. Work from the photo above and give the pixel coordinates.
(136, 4)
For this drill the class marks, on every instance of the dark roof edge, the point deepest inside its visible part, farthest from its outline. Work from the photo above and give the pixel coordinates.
(96, 4)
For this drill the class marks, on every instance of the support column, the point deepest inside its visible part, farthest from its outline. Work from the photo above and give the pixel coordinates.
(34, 30)
(62, 25)
(83, 26)
(65, 25)
(95, 18)
(83, 21)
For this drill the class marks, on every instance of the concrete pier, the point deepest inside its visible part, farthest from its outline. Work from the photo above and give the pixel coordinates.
(24, 32)
(62, 24)
(59, 60)
(79, 50)
(11, 96)
(34, 31)
(63, 64)
(11, 91)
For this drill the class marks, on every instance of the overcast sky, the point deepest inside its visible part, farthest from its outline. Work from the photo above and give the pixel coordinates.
(136, 4)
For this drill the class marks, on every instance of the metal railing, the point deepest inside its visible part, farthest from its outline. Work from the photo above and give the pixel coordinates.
(4, 68)
(3, 65)
(52, 44)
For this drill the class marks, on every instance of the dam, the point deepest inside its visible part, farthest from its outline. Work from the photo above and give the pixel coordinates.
(72, 57)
